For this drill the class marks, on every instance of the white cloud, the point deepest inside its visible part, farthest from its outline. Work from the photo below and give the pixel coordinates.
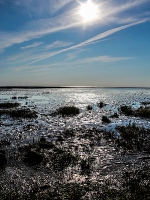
(76, 63)
(39, 8)
(70, 19)
(91, 40)
(112, 31)
(58, 44)
(35, 44)
(37, 29)
(103, 59)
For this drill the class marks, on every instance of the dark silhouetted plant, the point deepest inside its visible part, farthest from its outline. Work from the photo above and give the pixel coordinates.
(9, 105)
(127, 110)
(101, 104)
(19, 113)
(67, 111)
(105, 119)
(89, 107)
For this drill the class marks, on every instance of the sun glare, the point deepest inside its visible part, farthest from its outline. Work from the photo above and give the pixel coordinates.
(88, 11)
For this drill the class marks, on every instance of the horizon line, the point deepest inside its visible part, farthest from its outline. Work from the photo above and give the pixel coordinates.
(42, 87)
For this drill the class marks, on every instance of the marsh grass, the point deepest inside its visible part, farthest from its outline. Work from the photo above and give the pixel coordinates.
(115, 115)
(18, 113)
(62, 159)
(5, 143)
(66, 111)
(127, 110)
(140, 112)
(9, 105)
(143, 112)
(89, 107)
(3, 159)
(105, 119)
(59, 158)
(101, 104)
(33, 158)
(133, 137)
(145, 103)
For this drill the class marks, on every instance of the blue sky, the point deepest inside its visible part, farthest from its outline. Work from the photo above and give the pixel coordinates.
(54, 43)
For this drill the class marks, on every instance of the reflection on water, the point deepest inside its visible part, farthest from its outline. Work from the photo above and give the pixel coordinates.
(44, 101)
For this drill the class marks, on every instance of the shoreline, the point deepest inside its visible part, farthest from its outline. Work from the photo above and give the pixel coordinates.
(49, 87)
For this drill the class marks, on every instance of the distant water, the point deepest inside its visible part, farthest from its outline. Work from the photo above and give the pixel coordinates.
(44, 101)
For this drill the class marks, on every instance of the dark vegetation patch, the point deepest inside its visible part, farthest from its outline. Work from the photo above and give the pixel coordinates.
(101, 104)
(9, 105)
(3, 159)
(33, 158)
(14, 97)
(145, 103)
(25, 97)
(140, 112)
(134, 138)
(58, 158)
(2, 151)
(66, 111)
(5, 143)
(86, 167)
(61, 159)
(131, 137)
(115, 115)
(37, 146)
(19, 113)
(45, 145)
(127, 110)
(105, 119)
(89, 107)
(143, 112)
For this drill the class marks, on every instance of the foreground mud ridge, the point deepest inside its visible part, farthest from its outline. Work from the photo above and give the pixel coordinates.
(80, 164)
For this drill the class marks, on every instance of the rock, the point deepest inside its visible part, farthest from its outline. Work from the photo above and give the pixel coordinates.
(3, 159)
(33, 158)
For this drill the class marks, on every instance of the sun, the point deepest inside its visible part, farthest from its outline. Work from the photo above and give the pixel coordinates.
(88, 11)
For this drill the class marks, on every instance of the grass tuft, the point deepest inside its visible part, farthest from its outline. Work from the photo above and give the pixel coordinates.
(101, 104)
(9, 105)
(105, 119)
(67, 111)
(19, 113)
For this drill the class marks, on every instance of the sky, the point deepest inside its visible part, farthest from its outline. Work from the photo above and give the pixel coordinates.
(103, 43)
